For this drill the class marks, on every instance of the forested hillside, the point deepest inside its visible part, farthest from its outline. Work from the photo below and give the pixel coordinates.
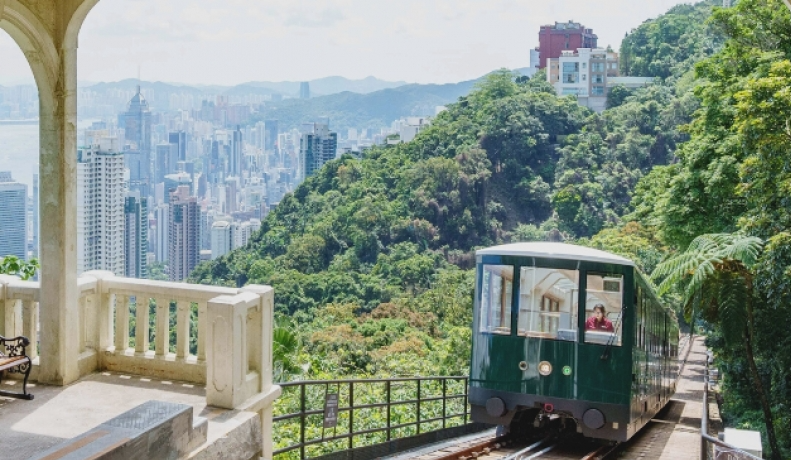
(370, 258)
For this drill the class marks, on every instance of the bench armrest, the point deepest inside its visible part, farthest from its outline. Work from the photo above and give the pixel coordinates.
(14, 346)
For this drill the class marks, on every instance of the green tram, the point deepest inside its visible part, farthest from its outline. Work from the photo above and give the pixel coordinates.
(569, 332)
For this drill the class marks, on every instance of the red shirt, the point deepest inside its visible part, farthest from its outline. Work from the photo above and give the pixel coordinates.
(604, 325)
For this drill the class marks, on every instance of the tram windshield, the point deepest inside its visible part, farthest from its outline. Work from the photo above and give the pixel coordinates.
(548, 303)
(496, 291)
(603, 309)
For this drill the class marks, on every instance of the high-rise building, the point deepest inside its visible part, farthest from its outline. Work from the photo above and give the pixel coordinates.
(35, 215)
(166, 161)
(304, 90)
(231, 195)
(272, 131)
(13, 217)
(137, 132)
(563, 36)
(136, 238)
(236, 153)
(100, 207)
(223, 238)
(183, 233)
(161, 214)
(179, 139)
(317, 146)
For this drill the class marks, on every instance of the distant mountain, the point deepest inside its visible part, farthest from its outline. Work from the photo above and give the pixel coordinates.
(374, 110)
(328, 85)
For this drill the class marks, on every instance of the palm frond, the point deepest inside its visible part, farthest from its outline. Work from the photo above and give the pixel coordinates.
(732, 312)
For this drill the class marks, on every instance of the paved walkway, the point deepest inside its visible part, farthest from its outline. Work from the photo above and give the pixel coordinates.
(675, 433)
(60, 413)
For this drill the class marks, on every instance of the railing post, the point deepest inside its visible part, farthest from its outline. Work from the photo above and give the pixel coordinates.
(202, 311)
(444, 401)
(30, 326)
(351, 415)
(418, 406)
(162, 339)
(302, 409)
(121, 323)
(141, 324)
(387, 390)
(182, 329)
(466, 404)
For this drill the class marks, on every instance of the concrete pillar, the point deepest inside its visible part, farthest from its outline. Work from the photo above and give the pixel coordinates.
(47, 32)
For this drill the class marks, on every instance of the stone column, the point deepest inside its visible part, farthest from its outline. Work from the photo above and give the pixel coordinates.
(59, 315)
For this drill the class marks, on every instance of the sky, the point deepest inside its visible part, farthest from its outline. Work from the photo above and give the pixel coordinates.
(228, 42)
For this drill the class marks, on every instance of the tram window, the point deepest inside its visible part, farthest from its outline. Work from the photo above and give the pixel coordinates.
(603, 308)
(548, 303)
(496, 292)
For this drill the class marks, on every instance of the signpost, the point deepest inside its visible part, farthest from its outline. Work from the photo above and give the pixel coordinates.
(331, 410)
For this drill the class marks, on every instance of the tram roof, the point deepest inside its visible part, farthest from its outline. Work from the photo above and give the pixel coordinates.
(555, 251)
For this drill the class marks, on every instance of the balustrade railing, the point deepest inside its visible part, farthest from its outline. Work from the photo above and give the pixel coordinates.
(159, 329)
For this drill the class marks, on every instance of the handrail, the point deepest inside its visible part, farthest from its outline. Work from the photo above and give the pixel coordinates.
(388, 425)
(705, 438)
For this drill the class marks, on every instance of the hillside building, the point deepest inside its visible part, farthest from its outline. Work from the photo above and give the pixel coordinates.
(317, 146)
(584, 74)
(563, 36)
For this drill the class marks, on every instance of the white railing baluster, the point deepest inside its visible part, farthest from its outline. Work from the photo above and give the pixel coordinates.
(183, 310)
(13, 318)
(141, 323)
(162, 338)
(30, 326)
(202, 331)
(121, 323)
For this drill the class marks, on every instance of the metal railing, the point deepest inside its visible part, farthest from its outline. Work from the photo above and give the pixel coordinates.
(390, 409)
(705, 438)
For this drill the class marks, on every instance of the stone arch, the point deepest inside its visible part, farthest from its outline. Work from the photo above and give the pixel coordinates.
(47, 32)
(36, 43)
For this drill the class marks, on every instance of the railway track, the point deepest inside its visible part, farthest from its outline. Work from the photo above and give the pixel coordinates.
(503, 448)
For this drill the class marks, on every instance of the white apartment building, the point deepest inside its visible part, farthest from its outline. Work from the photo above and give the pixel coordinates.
(223, 238)
(584, 74)
(100, 207)
(13, 217)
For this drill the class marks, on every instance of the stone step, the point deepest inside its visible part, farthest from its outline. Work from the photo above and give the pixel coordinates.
(154, 429)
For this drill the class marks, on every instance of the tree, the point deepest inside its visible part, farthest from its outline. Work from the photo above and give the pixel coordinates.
(717, 278)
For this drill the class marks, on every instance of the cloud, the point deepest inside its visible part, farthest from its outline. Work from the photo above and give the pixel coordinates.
(324, 18)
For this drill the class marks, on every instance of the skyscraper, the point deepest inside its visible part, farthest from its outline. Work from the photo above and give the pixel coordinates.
(13, 217)
(35, 215)
(179, 139)
(236, 154)
(136, 238)
(183, 233)
(272, 132)
(137, 132)
(166, 161)
(304, 90)
(317, 146)
(162, 214)
(100, 207)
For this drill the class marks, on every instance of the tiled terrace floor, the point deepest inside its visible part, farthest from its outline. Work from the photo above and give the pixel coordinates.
(60, 413)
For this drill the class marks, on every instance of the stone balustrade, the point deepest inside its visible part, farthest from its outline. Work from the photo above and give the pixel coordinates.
(217, 336)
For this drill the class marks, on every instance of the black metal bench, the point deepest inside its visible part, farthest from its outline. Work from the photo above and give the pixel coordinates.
(14, 360)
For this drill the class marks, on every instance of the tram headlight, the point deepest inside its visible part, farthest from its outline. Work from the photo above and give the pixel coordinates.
(544, 368)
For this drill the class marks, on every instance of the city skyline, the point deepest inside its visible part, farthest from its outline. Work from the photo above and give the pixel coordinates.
(437, 43)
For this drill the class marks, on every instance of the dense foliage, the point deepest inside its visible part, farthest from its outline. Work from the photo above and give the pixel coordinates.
(733, 176)
(370, 257)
